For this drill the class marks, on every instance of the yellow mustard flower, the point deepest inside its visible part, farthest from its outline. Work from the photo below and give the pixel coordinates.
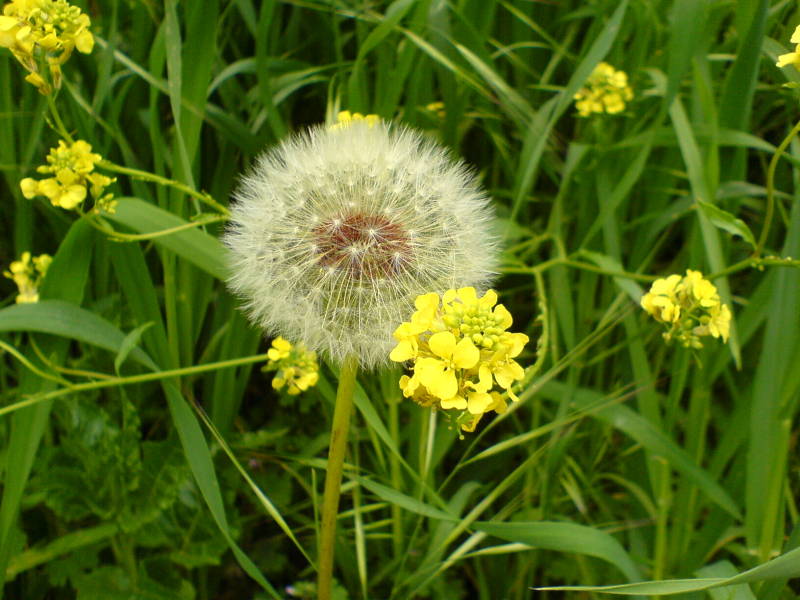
(605, 91)
(436, 108)
(345, 118)
(458, 350)
(42, 35)
(791, 58)
(28, 273)
(690, 307)
(296, 367)
(72, 167)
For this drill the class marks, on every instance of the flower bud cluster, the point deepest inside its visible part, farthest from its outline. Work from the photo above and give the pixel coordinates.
(345, 118)
(606, 91)
(296, 367)
(458, 351)
(28, 274)
(73, 168)
(690, 308)
(791, 58)
(41, 35)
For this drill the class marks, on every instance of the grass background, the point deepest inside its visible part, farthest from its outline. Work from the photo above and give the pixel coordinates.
(625, 460)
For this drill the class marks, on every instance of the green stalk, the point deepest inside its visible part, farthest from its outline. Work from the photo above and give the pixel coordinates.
(773, 164)
(333, 476)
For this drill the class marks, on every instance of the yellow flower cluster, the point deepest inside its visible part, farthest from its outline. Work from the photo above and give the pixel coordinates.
(73, 168)
(296, 367)
(791, 58)
(606, 91)
(42, 35)
(345, 118)
(459, 349)
(690, 307)
(28, 273)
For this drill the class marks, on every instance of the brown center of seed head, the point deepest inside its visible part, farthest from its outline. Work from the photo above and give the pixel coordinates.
(364, 246)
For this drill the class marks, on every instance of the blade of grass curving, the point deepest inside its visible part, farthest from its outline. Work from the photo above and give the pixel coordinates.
(71, 321)
(198, 455)
(783, 567)
(724, 568)
(406, 502)
(564, 537)
(272, 511)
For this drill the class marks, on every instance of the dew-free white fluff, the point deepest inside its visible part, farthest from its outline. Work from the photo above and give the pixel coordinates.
(336, 231)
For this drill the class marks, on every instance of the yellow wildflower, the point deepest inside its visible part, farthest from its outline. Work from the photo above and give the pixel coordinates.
(43, 33)
(690, 307)
(345, 118)
(791, 58)
(605, 91)
(437, 108)
(28, 274)
(72, 167)
(296, 367)
(459, 350)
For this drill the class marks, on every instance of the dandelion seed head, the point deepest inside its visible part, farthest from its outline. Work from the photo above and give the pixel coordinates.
(336, 231)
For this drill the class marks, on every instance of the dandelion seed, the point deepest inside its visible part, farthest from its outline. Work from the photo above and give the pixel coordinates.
(339, 272)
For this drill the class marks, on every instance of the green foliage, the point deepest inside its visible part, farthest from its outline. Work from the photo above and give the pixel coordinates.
(143, 455)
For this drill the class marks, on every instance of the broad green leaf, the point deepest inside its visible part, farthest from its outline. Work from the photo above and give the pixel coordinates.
(564, 537)
(196, 246)
(407, 502)
(68, 320)
(726, 221)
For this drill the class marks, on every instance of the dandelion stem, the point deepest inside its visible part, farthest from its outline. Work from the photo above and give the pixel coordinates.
(333, 476)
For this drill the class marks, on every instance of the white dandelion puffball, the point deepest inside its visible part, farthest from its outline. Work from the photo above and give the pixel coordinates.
(336, 231)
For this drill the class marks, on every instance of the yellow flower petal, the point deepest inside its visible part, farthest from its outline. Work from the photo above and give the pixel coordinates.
(479, 402)
(456, 402)
(29, 187)
(442, 344)
(465, 354)
(405, 350)
(437, 378)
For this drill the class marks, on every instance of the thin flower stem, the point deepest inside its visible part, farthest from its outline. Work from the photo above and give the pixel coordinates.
(773, 164)
(118, 381)
(566, 261)
(59, 124)
(147, 176)
(333, 476)
(118, 236)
